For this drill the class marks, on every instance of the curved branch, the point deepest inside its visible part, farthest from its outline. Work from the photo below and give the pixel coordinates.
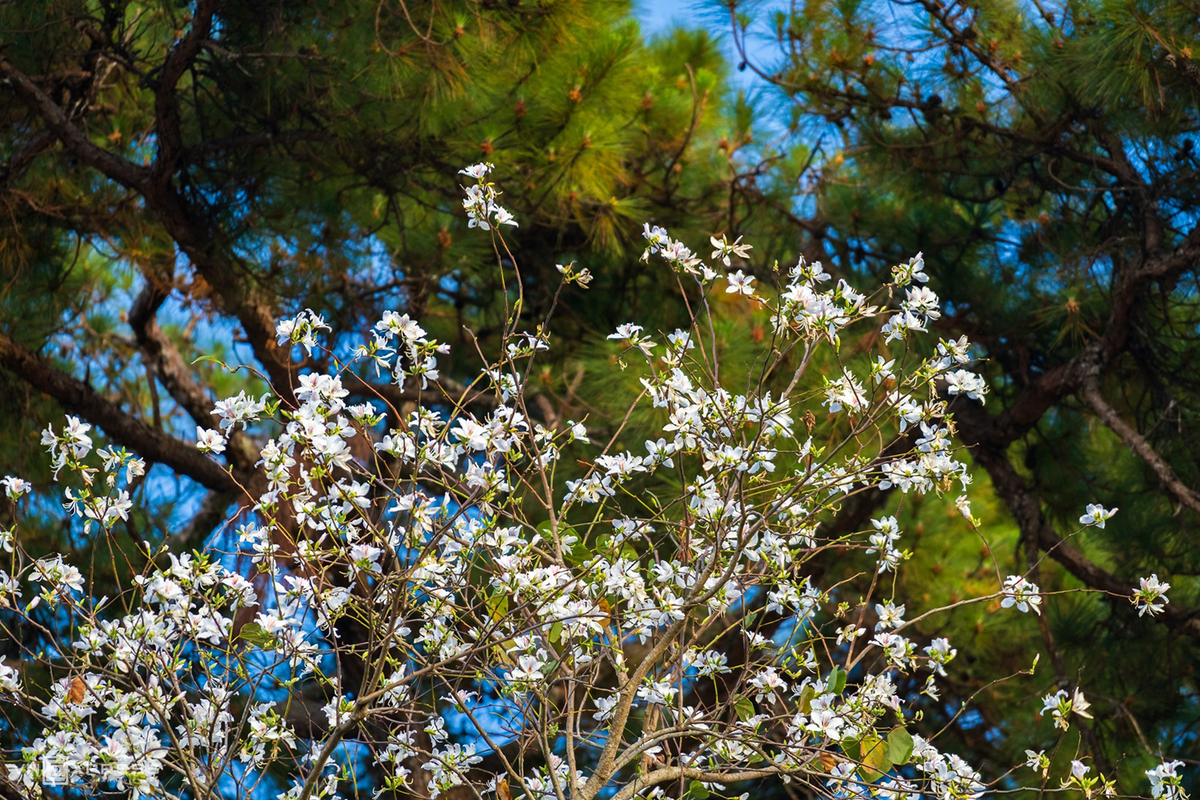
(1092, 395)
(119, 169)
(234, 288)
(166, 103)
(77, 397)
(1026, 509)
(178, 379)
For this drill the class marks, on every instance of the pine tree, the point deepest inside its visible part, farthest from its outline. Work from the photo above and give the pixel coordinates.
(1042, 157)
(172, 172)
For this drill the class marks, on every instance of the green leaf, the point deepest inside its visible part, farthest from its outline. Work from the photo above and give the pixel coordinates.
(899, 745)
(874, 759)
(579, 554)
(837, 681)
(806, 697)
(255, 634)
(497, 605)
(744, 708)
(556, 631)
(698, 790)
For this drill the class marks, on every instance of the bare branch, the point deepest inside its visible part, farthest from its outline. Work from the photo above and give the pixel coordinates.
(119, 169)
(1092, 395)
(178, 378)
(77, 397)
(1026, 509)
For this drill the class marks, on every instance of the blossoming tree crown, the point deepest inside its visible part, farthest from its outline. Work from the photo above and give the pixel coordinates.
(491, 605)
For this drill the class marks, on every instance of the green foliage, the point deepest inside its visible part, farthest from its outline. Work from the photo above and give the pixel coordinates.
(1038, 156)
(1043, 158)
(314, 164)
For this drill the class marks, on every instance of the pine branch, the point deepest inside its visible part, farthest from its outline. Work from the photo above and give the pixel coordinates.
(1092, 395)
(179, 380)
(1026, 508)
(77, 397)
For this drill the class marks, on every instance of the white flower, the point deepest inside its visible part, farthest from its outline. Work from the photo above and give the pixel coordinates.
(633, 334)
(76, 436)
(656, 237)
(528, 667)
(922, 301)
(660, 452)
(626, 331)
(1151, 595)
(723, 249)
(604, 708)
(962, 382)
(1097, 515)
(890, 616)
(1079, 705)
(845, 392)
(578, 432)
(15, 487)
(1061, 707)
(1021, 593)
(826, 722)
(940, 653)
(849, 633)
(658, 692)
(904, 274)
(477, 171)
(209, 441)
(739, 283)
(9, 680)
(502, 216)
(402, 325)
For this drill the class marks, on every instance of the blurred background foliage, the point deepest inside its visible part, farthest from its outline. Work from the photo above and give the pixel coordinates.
(175, 176)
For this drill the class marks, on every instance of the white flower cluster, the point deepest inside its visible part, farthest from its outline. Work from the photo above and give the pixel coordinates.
(402, 347)
(1151, 596)
(481, 568)
(480, 203)
(1061, 706)
(1023, 594)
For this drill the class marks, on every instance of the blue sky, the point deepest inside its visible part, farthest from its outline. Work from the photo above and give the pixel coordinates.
(661, 15)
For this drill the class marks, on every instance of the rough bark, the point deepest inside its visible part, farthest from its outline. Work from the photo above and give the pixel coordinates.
(78, 398)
